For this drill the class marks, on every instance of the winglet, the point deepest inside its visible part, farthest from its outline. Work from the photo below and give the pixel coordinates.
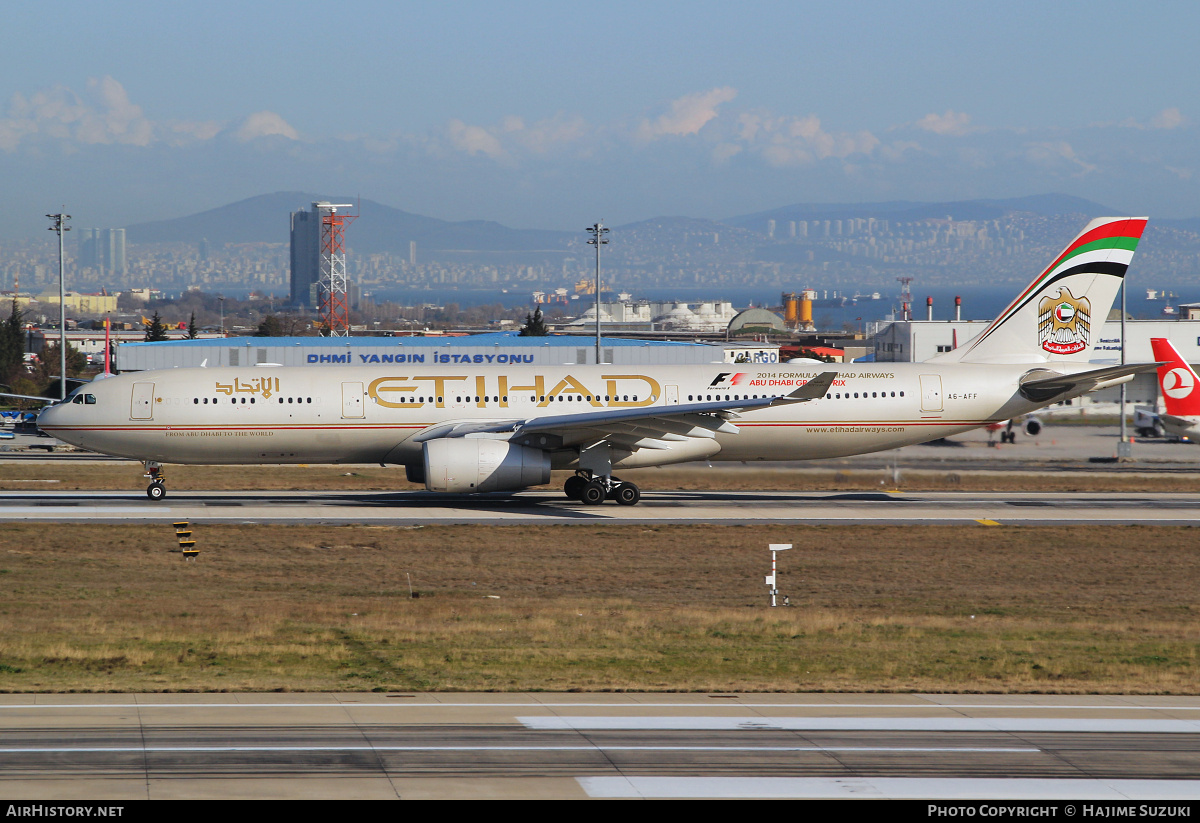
(817, 387)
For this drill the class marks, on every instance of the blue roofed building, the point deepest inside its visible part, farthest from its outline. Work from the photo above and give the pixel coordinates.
(496, 348)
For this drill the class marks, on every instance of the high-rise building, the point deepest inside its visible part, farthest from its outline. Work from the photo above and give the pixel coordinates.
(103, 249)
(114, 247)
(306, 256)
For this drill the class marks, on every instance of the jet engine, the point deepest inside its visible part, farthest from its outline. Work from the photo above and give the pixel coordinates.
(1032, 426)
(473, 465)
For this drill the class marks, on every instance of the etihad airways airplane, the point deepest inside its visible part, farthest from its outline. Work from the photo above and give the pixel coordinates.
(461, 428)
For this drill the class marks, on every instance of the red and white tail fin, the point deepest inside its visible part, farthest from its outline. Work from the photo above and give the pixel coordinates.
(1176, 379)
(1057, 318)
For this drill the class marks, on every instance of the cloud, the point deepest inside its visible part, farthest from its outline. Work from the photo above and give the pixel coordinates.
(104, 115)
(797, 141)
(1052, 152)
(474, 140)
(512, 136)
(181, 132)
(265, 124)
(687, 115)
(1167, 119)
(952, 123)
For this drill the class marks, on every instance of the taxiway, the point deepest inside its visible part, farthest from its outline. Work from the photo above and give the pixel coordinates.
(602, 746)
(423, 508)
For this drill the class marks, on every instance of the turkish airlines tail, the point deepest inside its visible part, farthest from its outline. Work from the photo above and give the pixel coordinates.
(1176, 380)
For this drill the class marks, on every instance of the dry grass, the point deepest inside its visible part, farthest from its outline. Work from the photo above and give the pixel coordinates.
(64, 476)
(928, 608)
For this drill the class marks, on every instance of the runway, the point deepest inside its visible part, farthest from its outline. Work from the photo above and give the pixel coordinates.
(107, 747)
(423, 508)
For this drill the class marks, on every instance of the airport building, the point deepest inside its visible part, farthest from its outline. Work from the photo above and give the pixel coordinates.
(494, 349)
(650, 315)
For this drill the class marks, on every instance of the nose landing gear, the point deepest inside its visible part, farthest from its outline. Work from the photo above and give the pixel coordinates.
(157, 489)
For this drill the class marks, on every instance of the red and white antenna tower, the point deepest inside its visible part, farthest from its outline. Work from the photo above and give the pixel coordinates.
(905, 298)
(335, 313)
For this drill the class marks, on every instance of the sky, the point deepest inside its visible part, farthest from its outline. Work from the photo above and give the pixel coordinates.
(554, 115)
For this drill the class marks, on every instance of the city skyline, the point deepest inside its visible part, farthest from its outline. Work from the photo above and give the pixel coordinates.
(542, 117)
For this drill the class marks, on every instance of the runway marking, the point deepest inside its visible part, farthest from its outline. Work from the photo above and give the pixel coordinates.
(892, 788)
(82, 512)
(987, 522)
(211, 749)
(927, 724)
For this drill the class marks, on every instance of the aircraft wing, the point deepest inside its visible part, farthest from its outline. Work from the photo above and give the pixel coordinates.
(1043, 385)
(651, 427)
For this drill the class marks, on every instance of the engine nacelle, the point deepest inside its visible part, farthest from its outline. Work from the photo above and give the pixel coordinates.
(1032, 426)
(471, 465)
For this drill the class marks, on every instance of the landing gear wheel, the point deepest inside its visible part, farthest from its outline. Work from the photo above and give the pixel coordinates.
(627, 494)
(573, 488)
(156, 490)
(593, 493)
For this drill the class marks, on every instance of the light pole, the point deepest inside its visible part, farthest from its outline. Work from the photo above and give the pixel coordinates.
(1124, 448)
(222, 302)
(59, 225)
(598, 231)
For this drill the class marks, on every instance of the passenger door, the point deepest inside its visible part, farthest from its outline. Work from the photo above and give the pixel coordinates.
(142, 402)
(931, 392)
(352, 400)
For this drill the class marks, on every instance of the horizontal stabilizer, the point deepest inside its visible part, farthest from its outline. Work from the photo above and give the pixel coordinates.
(1177, 421)
(1043, 385)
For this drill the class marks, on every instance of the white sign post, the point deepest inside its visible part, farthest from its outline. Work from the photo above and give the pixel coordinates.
(772, 577)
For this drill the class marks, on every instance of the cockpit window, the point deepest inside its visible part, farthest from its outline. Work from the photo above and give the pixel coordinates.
(78, 399)
(89, 399)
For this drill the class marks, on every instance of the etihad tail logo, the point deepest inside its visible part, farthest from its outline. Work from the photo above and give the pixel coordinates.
(1064, 323)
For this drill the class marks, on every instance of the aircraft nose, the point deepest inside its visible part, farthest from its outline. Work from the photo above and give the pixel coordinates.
(49, 416)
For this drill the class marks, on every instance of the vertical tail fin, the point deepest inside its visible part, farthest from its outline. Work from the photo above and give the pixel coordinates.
(1176, 379)
(1057, 318)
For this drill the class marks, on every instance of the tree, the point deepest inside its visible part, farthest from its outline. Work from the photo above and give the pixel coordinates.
(48, 362)
(156, 332)
(12, 345)
(193, 329)
(269, 327)
(534, 326)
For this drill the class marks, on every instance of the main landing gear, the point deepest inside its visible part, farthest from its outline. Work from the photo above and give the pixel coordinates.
(591, 489)
(157, 489)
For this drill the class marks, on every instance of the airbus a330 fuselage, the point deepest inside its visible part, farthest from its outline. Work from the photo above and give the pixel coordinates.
(360, 415)
(504, 427)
